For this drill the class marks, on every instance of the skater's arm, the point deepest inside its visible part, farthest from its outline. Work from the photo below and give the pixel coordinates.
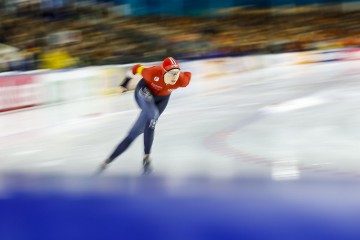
(148, 73)
(137, 69)
(185, 79)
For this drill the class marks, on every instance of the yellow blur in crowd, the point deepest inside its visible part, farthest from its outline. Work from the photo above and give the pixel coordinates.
(57, 59)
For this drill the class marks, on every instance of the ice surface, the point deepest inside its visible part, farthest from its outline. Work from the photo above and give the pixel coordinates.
(277, 123)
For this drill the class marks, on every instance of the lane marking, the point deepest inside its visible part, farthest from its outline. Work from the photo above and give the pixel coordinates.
(296, 104)
(26, 152)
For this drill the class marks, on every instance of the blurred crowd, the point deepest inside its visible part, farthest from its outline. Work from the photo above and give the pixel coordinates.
(83, 35)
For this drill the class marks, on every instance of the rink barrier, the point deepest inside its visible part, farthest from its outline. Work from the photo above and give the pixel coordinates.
(41, 87)
(19, 91)
(347, 54)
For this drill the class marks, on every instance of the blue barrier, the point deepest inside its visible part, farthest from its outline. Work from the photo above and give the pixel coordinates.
(159, 208)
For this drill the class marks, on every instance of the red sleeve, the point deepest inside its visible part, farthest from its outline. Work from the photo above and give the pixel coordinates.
(185, 79)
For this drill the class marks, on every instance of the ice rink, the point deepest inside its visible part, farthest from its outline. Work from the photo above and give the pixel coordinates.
(280, 145)
(275, 123)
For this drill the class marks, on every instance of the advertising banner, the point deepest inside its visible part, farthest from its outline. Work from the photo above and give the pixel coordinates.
(19, 91)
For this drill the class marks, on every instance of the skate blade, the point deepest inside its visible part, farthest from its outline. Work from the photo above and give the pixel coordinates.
(147, 171)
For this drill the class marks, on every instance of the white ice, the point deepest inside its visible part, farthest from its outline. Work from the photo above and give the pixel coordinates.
(278, 123)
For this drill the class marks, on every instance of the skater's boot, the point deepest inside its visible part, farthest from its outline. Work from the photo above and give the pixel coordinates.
(103, 166)
(147, 169)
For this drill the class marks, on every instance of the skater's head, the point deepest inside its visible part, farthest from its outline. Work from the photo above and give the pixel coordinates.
(172, 70)
(170, 63)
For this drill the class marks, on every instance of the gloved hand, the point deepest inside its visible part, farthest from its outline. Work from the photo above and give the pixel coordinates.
(135, 68)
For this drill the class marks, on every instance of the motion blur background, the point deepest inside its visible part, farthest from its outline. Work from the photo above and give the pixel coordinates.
(64, 33)
(263, 144)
